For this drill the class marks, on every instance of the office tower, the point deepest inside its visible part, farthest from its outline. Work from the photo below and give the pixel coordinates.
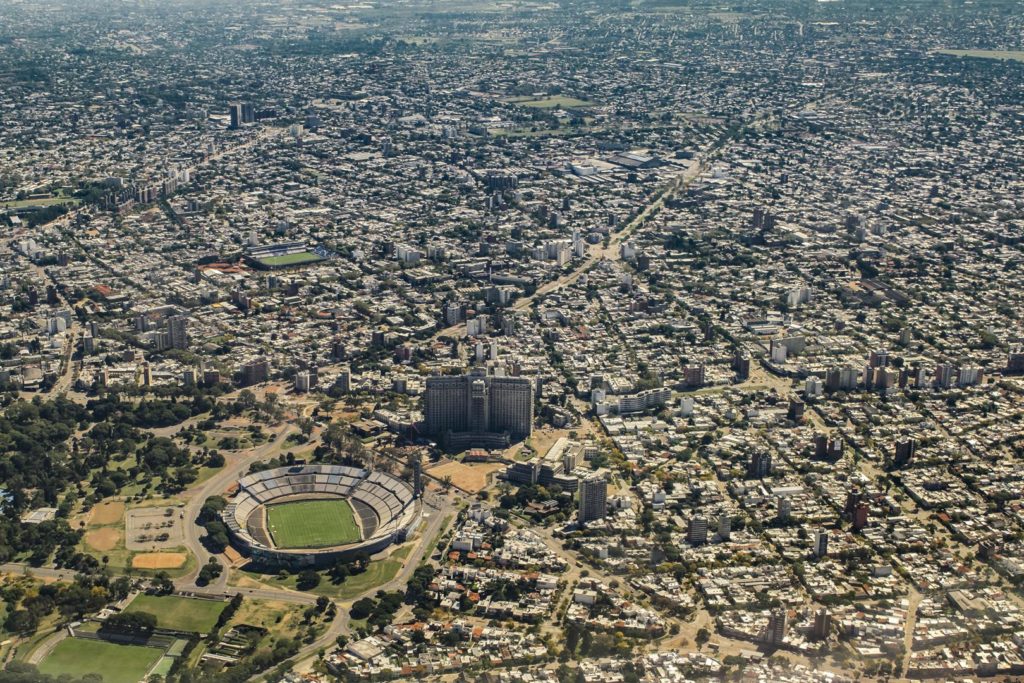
(235, 112)
(593, 499)
(778, 623)
(760, 465)
(479, 404)
(822, 624)
(177, 328)
(697, 530)
(248, 113)
(820, 543)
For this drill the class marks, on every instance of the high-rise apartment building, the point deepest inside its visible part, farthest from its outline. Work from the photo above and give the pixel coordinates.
(593, 499)
(778, 623)
(697, 530)
(177, 329)
(255, 372)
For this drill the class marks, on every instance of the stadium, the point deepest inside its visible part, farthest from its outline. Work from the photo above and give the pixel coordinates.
(284, 255)
(316, 515)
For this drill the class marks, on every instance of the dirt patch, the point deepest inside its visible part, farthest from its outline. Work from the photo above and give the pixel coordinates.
(110, 512)
(471, 478)
(158, 560)
(102, 539)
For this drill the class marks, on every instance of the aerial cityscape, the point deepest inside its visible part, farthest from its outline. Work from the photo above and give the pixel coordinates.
(515, 341)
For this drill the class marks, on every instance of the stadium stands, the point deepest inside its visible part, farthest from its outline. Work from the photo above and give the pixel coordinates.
(386, 506)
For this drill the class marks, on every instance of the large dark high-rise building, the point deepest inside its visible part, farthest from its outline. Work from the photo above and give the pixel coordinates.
(478, 404)
(235, 111)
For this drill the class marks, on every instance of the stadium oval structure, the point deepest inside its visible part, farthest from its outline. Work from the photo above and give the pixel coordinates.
(386, 511)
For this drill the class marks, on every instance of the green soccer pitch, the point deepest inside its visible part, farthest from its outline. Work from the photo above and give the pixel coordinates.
(77, 657)
(312, 524)
(178, 613)
(290, 259)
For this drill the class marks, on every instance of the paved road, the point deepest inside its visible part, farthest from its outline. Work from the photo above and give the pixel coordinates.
(431, 527)
(279, 594)
(213, 486)
(600, 252)
(46, 647)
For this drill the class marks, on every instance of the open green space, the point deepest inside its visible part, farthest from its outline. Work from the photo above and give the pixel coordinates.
(290, 259)
(42, 201)
(77, 657)
(312, 524)
(377, 574)
(181, 614)
(1014, 55)
(551, 102)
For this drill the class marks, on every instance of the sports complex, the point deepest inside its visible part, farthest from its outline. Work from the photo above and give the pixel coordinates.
(316, 515)
(283, 255)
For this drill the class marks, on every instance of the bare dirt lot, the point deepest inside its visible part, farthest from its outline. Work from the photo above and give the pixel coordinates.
(158, 560)
(103, 539)
(472, 478)
(110, 512)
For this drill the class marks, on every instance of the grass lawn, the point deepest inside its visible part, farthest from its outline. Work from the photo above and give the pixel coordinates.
(553, 101)
(312, 524)
(1015, 55)
(116, 663)
(180, 614)
(45, 201)
(290, 259)
(378, 573)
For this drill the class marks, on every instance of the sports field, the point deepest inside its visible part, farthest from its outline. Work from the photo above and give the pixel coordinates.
(77, 657)
(1011, 55)
(180, 614)
(550, 102)
(290, 259)
(312, 524)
